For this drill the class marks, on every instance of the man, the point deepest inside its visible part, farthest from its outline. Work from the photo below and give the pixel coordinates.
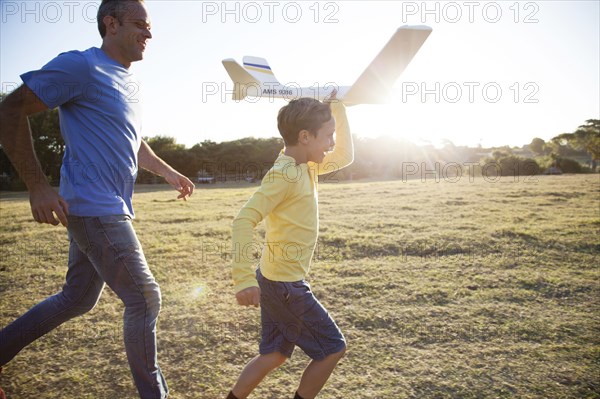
(98, 102)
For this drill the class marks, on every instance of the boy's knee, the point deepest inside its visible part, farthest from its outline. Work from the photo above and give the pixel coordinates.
(281, 358)
(276, 359)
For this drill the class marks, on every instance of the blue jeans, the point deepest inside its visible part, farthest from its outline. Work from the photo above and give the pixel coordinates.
(102, 250)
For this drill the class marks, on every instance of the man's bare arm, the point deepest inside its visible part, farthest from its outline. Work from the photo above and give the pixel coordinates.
(148, 160)
(17, 142)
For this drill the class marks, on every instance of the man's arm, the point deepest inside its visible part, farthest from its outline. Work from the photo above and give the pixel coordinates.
(148, 160)
(17, 142)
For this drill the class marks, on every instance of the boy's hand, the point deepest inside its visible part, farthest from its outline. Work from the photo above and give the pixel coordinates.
(331, 98)
(249, 297)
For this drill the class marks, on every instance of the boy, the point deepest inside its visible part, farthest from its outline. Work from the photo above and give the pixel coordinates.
(287, 198)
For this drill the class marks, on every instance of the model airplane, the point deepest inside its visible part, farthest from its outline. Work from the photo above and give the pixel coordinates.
(256, 79)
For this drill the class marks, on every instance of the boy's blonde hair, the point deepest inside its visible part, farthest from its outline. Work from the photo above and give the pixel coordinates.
(301, 114)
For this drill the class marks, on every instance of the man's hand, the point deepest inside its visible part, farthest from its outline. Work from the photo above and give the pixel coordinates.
(148, 160)
(249, 297)
(46, 203)
(181, 184)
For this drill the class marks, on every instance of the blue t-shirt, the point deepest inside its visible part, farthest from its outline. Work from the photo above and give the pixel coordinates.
(99, 107)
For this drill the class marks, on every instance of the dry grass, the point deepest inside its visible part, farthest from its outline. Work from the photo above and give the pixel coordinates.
(468, 289)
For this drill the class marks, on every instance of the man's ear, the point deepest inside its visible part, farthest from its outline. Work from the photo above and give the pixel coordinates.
(110, 23)
(303, 136)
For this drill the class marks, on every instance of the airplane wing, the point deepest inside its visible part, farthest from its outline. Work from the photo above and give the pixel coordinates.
(374, 85)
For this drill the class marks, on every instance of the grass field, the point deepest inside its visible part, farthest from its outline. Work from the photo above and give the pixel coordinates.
(452, 289)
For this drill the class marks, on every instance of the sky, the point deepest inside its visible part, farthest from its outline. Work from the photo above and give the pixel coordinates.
(491, 73)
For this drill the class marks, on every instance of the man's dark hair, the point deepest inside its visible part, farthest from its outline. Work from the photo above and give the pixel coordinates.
(301, 114)
(114, 8)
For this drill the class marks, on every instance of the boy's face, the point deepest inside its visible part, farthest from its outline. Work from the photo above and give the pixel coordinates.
(317, 147)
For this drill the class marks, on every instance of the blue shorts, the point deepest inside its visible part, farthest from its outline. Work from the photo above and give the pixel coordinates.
(292, 316)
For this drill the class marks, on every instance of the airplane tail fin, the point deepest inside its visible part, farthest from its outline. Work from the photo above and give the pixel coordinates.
(374, 85)
(248, 79)
(260, 69)
(240, 77)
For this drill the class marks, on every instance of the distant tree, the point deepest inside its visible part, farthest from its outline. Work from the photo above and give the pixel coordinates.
(538, 146)
(501, 153)
(162, 144)
(585, 138)
(507, 164)
(239, 159)
(172, 153)
(567, 165)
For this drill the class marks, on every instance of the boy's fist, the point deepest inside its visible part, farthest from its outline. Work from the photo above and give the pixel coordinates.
(249, 297)
(331, 97)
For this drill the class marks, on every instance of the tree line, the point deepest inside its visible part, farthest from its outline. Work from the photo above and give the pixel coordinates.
(248, 159)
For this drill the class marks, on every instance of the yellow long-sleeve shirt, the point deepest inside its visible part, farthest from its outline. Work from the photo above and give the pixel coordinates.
(288, 201)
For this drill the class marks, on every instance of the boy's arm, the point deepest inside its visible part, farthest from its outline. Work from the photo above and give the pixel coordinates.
(343, 153)
(272, 192)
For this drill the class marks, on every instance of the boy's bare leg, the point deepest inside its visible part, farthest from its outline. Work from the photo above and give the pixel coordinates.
(255, 371)
(317, 373)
